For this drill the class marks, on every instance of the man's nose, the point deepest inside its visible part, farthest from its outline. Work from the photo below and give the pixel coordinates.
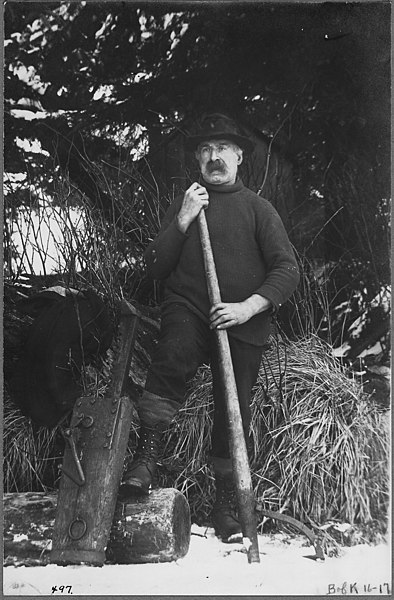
(214, 154)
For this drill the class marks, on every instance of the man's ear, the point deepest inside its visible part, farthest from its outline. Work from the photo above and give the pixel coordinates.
(240, 156)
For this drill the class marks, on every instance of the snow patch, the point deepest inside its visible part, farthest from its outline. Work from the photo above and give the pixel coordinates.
(20, 537)
(213, 568)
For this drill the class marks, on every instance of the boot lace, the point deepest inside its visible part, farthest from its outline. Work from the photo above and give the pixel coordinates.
(147, 450)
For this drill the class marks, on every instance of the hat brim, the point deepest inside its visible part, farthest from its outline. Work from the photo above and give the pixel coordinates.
(243, 142)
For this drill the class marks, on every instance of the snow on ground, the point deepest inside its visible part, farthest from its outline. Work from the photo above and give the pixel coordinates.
(212, 568)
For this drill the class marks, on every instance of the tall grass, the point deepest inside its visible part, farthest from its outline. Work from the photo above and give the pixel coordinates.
(85, 244)
(30, 461)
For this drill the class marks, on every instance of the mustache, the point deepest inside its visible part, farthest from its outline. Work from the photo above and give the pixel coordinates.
(215, 165)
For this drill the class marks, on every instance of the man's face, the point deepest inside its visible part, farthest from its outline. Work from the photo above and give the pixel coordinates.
(219, 161)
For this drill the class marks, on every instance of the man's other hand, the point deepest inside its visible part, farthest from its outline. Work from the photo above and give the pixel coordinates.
(228, 314)
(195, 198)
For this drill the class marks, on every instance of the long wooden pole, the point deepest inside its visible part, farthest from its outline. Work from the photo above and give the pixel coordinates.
(239, 455)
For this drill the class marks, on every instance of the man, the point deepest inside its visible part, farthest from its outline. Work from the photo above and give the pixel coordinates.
(257, 272)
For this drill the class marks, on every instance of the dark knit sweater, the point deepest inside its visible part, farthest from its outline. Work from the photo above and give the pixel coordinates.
(252, 254)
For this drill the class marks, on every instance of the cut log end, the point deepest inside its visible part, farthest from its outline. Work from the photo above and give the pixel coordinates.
(150, 529)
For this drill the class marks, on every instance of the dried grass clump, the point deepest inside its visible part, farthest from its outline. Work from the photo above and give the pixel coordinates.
(326, 446)
(319, 445)
(29, 455)
(186, 449)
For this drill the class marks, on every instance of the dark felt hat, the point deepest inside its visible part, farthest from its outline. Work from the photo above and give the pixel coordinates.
(217, 126)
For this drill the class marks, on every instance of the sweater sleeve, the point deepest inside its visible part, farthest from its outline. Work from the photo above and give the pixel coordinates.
(282, 269)
(162, 255)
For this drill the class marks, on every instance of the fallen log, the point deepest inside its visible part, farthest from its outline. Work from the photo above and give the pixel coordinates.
(28, 526)
(152, 529)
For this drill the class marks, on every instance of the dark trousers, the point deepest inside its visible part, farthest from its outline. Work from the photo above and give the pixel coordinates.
(185, 343)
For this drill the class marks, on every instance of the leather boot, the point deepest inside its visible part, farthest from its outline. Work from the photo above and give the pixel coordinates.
(224, 514)
(138, 477)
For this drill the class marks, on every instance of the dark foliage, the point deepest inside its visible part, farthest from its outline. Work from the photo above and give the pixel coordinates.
(67, 333)
(314, 79)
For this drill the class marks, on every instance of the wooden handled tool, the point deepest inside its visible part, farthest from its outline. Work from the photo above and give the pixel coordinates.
(93, 462)
(239, 455)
